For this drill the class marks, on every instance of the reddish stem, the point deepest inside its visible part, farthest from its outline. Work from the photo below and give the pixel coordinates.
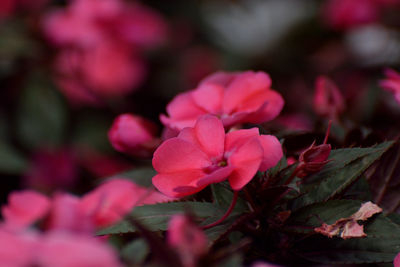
(227, 213)
(328, 130)
(292, 176)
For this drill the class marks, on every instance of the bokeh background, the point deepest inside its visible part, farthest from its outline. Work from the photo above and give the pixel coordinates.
(68, 68)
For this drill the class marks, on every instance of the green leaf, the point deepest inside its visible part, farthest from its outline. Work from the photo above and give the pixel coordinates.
(135, 252)
(223, 195)
(381, 244)
(156, 217)
(41, 116)
(346, 166)
(11, 161)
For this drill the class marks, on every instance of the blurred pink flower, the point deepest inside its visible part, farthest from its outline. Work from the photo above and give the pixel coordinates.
(67, 215)
(346, 14)
(392, 83)
(328, 100)
(233, 97)
(295, 121)
(396, 261)
(133, 135)
(52, 169)
(110, 201)
(187, 238)
(54, 248)
(100, 46)
(24, 208)
(6, 8)
(17, 249)
(63, 249)
(204, 155)
(92, 76)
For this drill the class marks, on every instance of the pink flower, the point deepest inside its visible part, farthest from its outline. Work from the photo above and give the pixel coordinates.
(113, 199)
(67, 215)
(55, 248)
(17, 249)
(63, 249)
(396, 261)
(141, 26)
(25, 208)
(328, 100)
(345, 14)
(133, 135)
(189, 241)
(233, 97)
(204, 155)
(392, 83)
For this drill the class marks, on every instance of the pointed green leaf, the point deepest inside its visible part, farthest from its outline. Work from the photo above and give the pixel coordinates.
(346, 166)
(381, 244)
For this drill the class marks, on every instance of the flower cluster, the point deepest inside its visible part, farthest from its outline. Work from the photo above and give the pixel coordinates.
(100, 47)
(68, 223)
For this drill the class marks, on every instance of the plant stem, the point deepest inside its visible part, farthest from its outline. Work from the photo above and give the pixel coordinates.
(227, 213)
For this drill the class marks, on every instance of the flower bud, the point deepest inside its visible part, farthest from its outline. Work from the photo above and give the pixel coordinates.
(328, 101)
(313, 159)
(189, 240)
(133, 135)
(392, 83)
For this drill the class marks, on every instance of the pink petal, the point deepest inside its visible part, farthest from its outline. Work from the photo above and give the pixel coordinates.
(66, 214)
(167, 183)
(215, 177)
(235, 139)
(211, 135)
(111, 200)
(209, 97)
(242, 87)
(178, 155)
(219, 78)
(25, 207)
(274, 104)
(182, 108)
(64, 249)
(272, 151)
(396, 262)
(246, 160)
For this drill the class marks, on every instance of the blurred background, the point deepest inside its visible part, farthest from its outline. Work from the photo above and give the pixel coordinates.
(68, 68)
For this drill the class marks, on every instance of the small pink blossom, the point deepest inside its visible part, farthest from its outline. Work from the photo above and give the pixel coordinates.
(133, 135)
(204, 155)
(328, 100)
(25, 208)
(189, 240)
(233, 97)
(392, 83)
(113, 199)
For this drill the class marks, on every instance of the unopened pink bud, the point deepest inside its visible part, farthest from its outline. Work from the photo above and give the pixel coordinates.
(313, 159)
(328, 100)
(188, 239)
(133, 135)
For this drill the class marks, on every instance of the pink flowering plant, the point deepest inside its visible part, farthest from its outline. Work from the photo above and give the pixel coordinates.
(199, 133)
